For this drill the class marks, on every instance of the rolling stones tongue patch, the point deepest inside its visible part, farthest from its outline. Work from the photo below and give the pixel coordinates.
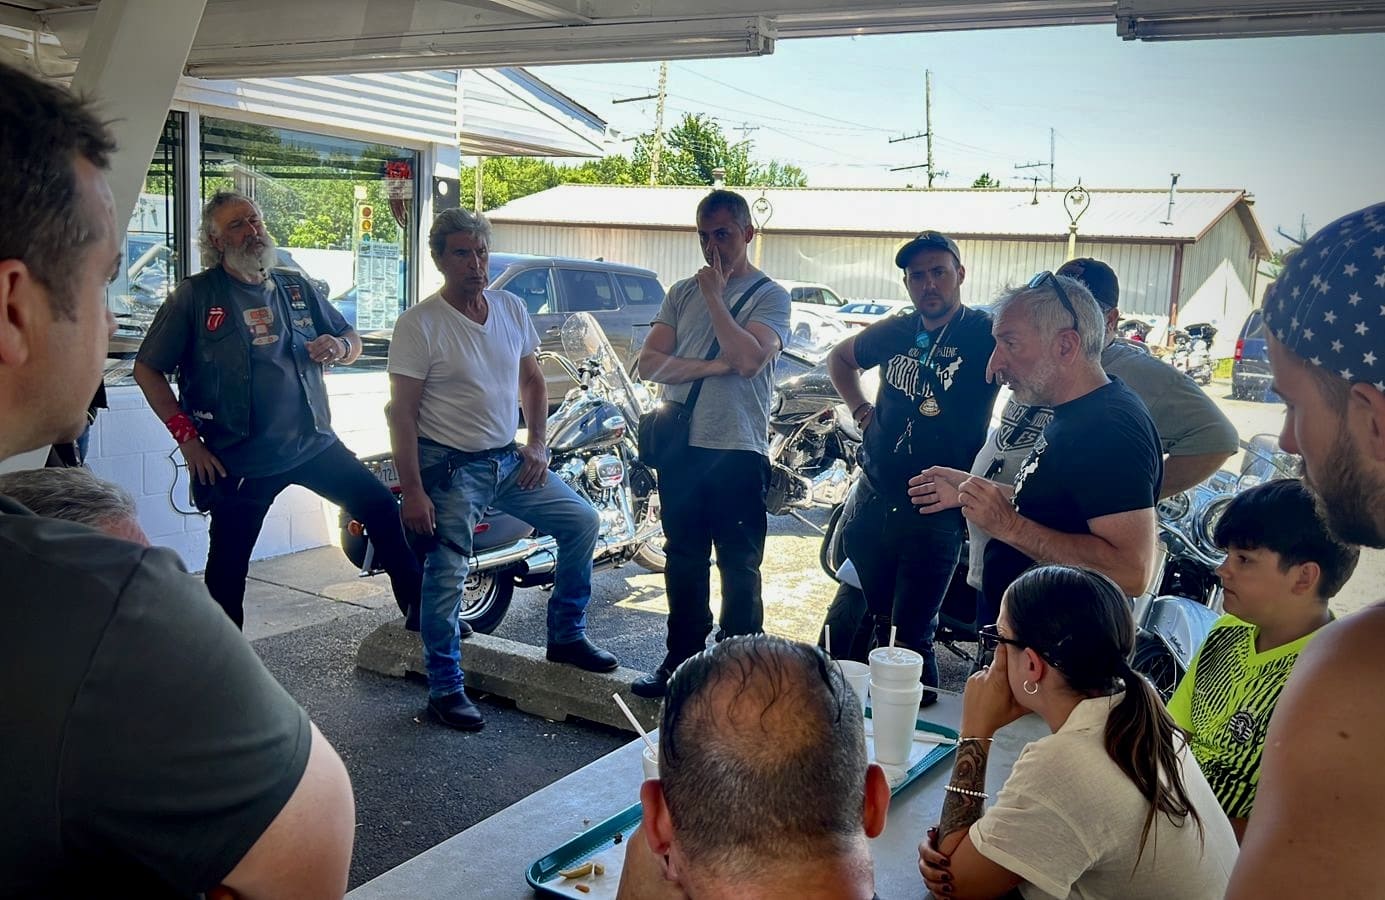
(215, 317)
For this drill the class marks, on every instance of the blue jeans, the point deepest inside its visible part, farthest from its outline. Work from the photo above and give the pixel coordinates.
(458, 503)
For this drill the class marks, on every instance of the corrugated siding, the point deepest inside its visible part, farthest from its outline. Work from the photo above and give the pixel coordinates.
(416, 107)
(857, 267)
(1227, 242)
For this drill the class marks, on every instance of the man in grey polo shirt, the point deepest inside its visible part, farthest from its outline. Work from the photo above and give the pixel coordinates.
(148, 752)
(1196, 436)
(715, 494)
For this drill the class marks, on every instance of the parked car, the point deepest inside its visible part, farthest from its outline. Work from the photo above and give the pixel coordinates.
(623, 300)
(814, 296)
(1250, 370)
(860, 313)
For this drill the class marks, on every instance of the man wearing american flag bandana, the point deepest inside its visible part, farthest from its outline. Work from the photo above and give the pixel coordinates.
(1320, 811)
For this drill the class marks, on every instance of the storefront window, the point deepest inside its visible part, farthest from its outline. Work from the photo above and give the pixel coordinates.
(341, 211)
(153, 262)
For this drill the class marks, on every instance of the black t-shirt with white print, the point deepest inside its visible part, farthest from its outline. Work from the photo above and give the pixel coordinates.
(934, 404)
(1099, 455)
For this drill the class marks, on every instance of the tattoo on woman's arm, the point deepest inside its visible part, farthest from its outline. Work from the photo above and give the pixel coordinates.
(969, 773)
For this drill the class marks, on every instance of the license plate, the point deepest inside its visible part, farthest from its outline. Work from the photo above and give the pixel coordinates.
(386, 473)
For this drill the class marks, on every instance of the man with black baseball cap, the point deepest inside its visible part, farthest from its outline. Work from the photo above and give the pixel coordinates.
(932, 409)
(1195, 435)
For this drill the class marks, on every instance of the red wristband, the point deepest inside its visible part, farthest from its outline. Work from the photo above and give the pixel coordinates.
(181, 427)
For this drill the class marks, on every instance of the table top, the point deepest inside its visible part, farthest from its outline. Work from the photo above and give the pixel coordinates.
(489, 859)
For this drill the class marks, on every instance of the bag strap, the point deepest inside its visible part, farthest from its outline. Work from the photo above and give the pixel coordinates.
(716, 345)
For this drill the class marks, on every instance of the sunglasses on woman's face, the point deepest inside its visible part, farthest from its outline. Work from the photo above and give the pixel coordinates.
(991, 638)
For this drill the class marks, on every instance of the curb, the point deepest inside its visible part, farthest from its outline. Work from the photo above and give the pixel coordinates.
(518, 672)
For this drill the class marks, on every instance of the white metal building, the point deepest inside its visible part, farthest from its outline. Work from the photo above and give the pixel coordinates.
(1197, 263)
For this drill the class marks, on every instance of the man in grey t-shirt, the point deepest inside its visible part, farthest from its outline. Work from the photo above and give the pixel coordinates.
(715, 493)
(1196, 436)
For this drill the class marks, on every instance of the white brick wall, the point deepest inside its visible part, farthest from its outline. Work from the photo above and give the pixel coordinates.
(131, 447)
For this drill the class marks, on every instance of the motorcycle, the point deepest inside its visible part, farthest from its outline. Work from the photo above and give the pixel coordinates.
(1175, 617)
(814, 444)
(592, 438)
(1192, 352)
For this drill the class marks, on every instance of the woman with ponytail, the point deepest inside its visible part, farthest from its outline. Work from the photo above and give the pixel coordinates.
(1112, 804)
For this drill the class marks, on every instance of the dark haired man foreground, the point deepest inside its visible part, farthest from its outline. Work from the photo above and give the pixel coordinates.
(1322, 788)
(148, 753)
(764, 788)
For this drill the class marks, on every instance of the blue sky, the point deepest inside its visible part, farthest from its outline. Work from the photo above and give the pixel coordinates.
(1300, 122)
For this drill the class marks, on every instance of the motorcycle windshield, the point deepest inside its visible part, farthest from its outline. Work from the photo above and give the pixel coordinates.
(583, 340)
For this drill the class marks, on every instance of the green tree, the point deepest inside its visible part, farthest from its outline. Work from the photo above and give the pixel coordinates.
(985, 181)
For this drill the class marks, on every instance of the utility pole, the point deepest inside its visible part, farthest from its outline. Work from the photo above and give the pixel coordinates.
(926, 133)
(658, 154)
(745, 128)
(1052, 155)
(928, 120)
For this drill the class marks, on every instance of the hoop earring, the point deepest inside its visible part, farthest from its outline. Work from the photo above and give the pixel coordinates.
(1027, 685)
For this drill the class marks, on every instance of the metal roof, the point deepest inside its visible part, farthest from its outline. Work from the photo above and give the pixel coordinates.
(1132, 215)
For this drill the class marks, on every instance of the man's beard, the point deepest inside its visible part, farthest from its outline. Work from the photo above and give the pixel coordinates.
(1036, 389)
(247, 260)
(1348, 496)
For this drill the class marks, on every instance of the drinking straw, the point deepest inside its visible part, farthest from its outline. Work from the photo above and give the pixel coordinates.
(644, 735)
(827, 638)
(893, 629)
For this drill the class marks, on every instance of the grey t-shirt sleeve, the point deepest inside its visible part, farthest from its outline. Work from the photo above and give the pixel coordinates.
(1188, 421)
(170, 334)
(180, 748)
(771, 307)
(673, 303)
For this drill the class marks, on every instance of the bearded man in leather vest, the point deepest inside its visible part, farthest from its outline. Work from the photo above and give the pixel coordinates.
(249, 344)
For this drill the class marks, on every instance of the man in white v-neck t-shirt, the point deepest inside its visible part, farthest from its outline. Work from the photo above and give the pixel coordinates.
(461, 364)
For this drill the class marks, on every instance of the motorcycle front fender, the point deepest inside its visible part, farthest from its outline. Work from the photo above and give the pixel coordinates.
(1179, 624)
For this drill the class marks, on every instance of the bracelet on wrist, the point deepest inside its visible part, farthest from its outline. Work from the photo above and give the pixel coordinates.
(963, 740)
(181, 426)
(345, 346)
(856, 413)
(966, 792)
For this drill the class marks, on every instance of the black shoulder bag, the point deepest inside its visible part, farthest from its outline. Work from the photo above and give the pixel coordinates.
(663, 434)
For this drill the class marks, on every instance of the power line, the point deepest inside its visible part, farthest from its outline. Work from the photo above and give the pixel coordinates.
(810, 112)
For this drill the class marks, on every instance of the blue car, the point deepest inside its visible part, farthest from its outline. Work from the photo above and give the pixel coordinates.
(1250, 372)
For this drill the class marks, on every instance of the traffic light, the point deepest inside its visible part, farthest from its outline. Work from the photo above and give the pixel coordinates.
(365, 214)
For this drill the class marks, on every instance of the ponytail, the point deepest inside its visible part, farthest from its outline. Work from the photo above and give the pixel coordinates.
(1143, 741)
(1079, 621)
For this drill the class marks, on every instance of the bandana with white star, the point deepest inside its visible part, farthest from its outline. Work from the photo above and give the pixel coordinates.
(1328, 306)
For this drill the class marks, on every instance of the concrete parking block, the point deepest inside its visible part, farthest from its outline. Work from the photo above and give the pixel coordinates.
(519, 672)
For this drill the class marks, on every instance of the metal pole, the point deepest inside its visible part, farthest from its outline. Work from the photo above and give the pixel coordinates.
(1072, 241)
(1052, 144)
(928, 119)
(658, 153)
(477, 202)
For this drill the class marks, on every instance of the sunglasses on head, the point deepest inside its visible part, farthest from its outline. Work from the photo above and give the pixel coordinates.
(1038, 281)
(992, 638)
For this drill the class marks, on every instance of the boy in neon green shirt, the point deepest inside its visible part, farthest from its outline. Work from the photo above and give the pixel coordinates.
(1282, 566)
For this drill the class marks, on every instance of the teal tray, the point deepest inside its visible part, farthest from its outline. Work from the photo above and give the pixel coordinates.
(602, 836)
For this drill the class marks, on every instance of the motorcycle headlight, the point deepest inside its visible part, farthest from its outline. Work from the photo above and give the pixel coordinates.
(1207, 522)
(1176, 507)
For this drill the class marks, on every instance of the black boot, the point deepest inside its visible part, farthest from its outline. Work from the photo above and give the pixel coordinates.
(456, 711)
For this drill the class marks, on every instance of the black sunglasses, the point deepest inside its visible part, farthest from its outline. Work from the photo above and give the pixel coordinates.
(991, 638)
(1038, 281)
